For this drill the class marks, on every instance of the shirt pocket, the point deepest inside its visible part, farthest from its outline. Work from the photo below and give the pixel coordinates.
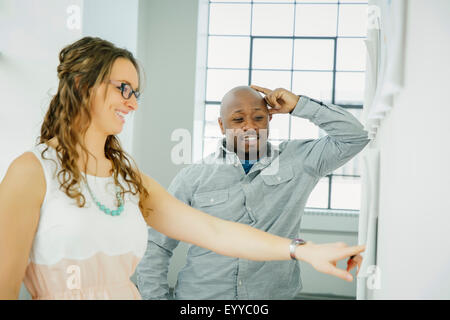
(210, 198)
(277, 188)
(284, 174)
(213, 203)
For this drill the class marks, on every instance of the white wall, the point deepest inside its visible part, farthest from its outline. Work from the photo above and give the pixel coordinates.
(32, 33)
(413, 243)
(29, 47)
(167, 48)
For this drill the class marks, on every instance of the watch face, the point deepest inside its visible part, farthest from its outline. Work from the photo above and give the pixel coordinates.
(294, 244)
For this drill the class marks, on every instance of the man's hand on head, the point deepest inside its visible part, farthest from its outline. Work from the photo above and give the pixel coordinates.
(279, 100)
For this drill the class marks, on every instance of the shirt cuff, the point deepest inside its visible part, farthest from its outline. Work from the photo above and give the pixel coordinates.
(306, 108)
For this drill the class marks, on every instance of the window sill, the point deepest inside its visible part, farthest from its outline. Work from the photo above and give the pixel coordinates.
(329, 220)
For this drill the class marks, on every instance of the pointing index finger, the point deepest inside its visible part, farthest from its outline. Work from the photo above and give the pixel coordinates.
(261, 89)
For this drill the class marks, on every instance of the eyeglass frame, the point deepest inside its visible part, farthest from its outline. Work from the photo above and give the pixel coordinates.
(121, 86)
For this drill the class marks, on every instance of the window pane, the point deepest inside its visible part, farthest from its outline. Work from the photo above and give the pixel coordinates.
(346, 193)
(316, 85)
(272, 54)
(313, 54)
(319, 196)
(272, 79)
(273, 20)
(228, 52)
(350, 87)
(351, 55)
(279, 126)
(316, 20)
(353, 20)
(220, 82)
(209, 146)
(212, 129)
(233, 19)
(212, 112)
(303, 129)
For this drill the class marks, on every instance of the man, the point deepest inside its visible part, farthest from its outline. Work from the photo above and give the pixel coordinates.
(249, 181)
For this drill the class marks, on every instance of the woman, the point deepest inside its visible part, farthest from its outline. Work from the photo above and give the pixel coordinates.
(74, 211)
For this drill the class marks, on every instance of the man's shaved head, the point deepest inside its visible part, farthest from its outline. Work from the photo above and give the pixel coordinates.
(238, 95)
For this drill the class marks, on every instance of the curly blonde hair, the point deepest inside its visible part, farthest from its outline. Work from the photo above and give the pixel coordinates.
(84, 65)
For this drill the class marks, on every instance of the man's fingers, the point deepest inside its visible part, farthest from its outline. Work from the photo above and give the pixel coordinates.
(273, 111)
(261, 89)
(271, 97)
(270, 101)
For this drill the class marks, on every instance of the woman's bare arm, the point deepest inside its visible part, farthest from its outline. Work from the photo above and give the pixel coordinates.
(22, 192)
(179, 221)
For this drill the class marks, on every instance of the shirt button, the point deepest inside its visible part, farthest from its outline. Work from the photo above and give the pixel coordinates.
(212, 200)
(240, 282)
(278, 178)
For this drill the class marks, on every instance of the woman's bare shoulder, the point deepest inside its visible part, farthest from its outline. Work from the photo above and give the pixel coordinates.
(26, 172)
(26, 163)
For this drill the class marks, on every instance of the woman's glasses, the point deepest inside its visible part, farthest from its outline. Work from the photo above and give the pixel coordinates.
(125, 89)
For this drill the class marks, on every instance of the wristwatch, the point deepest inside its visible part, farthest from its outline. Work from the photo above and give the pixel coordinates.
(295, 242)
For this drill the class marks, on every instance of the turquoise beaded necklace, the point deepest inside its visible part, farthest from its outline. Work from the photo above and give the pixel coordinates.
(102, 207)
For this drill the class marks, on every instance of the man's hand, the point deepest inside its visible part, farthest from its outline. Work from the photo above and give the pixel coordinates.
(280, 100)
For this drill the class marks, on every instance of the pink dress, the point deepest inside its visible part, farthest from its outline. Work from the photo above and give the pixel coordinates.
(83, 253)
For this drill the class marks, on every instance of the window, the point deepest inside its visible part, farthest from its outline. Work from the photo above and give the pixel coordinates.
(314, 48)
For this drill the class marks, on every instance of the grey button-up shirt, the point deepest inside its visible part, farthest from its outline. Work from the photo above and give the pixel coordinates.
(271, 197)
